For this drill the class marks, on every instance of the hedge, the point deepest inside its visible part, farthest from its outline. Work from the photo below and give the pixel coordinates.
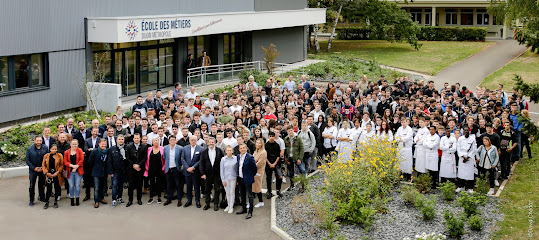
(427, 33)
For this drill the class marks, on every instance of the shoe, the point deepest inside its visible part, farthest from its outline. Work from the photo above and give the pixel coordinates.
(243, 211)
(167, 203)
(159, 201)
(86, 198)
(279, 194)
(103, 201)
(129, 204)
(96, 205)
(491, 191)
(284, 180)
(249, 215)
(179, 204)
(139, 202)
(248, 205)
(58, 198)
(46, 206)
(470, 190)
(77, 203)
(31, 203)
(206, 207)
(496, 183)
(260, 204)
(216, 208)
(230, 211)
(273, 181)
(55, 205)
(459, 190)
(150, 201)
(72, 202)
(270, 195)
(198, 205)
(121, 201)
(113, 204)
(187, 204)
(226, 209)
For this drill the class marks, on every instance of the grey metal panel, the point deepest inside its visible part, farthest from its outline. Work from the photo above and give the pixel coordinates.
(214, 6)
(66, 68)
(272, 5)
(288, 41)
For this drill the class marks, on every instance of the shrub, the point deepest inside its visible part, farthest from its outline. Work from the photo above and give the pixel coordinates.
(427, 209)
(470, 202)
(482, 184)
(448, 190)
(356, 210)
(426, 33)
(454, 225)
(423, 183)
(260, 77)
(409, 194)
(475, 222)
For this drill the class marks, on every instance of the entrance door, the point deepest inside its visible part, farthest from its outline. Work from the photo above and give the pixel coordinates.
(125, 72)
(149, 68)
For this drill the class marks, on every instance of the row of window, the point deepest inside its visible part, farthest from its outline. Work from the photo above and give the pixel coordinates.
(466, 17)
(23, 72)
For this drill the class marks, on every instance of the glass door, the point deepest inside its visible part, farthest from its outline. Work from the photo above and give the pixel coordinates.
(149, 67)
(166, 67)
(130, 72)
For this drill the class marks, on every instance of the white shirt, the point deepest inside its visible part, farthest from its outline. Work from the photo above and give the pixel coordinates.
(235, 108)
(211, 154)
(94, 142)
(47, 141)
(211, 103)
(232, 142)
(192, 151)
(242, 158)
(172, 159)
(190, 95)
(290, 85)
(111, 141)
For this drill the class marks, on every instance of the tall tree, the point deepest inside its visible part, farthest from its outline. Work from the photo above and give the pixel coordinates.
(522, 16)
(335, 25)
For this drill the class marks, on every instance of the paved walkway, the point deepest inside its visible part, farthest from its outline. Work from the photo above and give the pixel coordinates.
(19, 221)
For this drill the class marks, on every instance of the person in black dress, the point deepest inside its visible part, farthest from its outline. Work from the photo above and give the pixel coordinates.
(154, 167)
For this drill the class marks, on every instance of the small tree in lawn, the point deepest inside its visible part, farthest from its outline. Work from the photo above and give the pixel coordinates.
(90, 93)
(532, 91)
(271, 54)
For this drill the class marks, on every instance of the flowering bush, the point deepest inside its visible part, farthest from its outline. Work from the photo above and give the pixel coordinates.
(9, 150)
(361, 182)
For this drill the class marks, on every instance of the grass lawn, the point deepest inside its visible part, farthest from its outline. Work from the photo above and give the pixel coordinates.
(431, 58)
(527, 66)
(522, 189)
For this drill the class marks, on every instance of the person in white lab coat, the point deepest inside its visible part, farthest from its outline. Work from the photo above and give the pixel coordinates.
(419, 154)
(368, 133)
(431, 143)
(405, 138)
(466, 149)
(448, 164)
(345, 136)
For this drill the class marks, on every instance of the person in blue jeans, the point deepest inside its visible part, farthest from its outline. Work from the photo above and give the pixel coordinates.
(74, 161)
(517, 125)
(98, 164)
(115, 167)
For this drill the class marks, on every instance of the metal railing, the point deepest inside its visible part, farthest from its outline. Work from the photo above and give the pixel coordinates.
(215, 74)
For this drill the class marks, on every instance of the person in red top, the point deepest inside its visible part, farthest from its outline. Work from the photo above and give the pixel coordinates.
(269, 113)
(73, 160)
(348, 109)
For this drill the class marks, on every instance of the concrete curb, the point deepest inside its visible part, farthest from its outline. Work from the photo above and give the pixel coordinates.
(13, 172)
(273, 220)
(502, 186)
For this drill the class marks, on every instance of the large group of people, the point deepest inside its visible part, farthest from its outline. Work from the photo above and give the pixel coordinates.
(183, 144)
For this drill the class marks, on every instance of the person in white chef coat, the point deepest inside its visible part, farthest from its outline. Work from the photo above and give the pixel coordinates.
(431, 143)
(419, 154)
(405, 139)
(466, 149)
(345, 136)
(448, 164)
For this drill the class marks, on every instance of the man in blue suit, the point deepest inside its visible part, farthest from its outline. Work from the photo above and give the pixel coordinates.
(246, 177)
(190, 161)
(173, 167)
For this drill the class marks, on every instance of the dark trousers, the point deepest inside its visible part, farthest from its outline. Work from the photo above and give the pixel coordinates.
(435, 175)
(215, 183)
(175, 182)
(40, 177)
(100, 188)
(135, 182)
(53, 182)
(246, 190)
(491, 175)
(505, 163)
(156, 178)
(193, 180)
(524, 139)
(278, 177)
(88, 179)
(467, 184)
(443, 180)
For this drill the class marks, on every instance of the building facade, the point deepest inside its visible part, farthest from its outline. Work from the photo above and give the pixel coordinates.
(453, 13)
(53, 47)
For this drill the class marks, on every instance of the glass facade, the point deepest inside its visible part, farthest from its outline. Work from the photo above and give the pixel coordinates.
(23, 72)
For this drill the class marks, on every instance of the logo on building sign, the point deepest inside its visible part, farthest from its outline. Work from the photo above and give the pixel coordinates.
(131, 30)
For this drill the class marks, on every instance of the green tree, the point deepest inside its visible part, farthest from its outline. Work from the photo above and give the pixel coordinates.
(523, 16)
(532, 91)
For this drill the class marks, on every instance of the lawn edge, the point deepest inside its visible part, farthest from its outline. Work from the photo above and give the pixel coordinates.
(470, 56)
(510, 61)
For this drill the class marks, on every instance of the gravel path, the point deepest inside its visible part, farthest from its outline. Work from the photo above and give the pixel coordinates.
(401, 221)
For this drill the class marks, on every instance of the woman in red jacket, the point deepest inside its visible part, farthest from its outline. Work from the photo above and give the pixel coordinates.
(73, 160)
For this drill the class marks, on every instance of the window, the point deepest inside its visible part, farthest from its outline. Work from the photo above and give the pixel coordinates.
(482, 17)
(428, 18)
(232, 48)
(23, 72)
(416, 15)
(466, 17)
(450, 16)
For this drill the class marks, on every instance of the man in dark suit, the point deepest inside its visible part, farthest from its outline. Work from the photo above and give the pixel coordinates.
(210, 162)
(111, 139)
(70, 129)
(136, 159)
(98, 165)
(90, 144)
(116, 168)
(82, 134)
(95, 124)
(190, 161)
(246, 177)
(173, 167)
(131, 130)
(47, 139)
